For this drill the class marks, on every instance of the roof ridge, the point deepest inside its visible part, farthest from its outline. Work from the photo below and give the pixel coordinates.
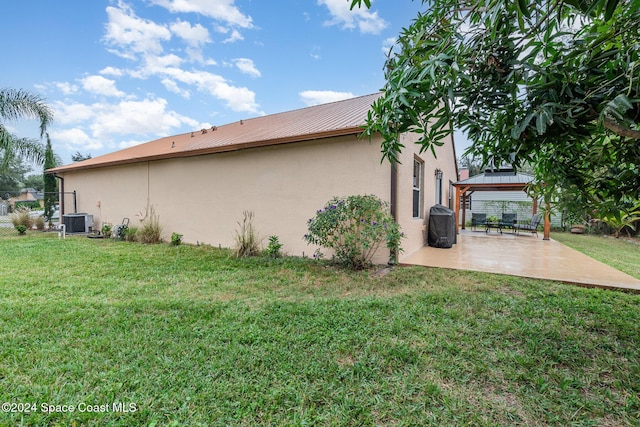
(301, 108)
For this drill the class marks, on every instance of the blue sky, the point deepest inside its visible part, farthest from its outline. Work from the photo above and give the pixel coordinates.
(122, 72)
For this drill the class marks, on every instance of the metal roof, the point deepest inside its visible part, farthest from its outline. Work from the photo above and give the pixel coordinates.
(500, 180)
(321, 121)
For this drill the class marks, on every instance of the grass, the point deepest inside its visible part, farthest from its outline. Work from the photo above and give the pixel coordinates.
(621, 254)
(193, 336)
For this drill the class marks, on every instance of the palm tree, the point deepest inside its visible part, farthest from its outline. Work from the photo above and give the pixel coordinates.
(20, 104)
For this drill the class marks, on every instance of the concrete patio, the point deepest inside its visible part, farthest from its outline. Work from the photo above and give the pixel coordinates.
(523, 255)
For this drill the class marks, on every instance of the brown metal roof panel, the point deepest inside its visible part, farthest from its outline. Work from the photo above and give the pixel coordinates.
(332, 119)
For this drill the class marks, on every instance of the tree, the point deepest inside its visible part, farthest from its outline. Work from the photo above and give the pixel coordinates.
(34, 181)
(78, 157)
(12, 177)
(50, 184)
(473, 165)
(19, 104)
(552, 83)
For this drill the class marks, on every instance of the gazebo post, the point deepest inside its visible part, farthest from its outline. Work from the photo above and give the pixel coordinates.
(464, 210)
(547, 222)
(457, 208)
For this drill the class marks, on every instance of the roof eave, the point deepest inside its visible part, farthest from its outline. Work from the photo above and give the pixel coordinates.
(211, 150)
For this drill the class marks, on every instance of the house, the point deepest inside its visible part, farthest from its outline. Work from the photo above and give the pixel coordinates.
(27, 195)
(282, 167)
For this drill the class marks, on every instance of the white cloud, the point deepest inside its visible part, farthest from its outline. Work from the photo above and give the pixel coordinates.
(66, 88)
(157, 65)
(220, 10)
(112, 71)
(148, 117)
(364, 19)
(101, 86)
(195, 35)
(127, 121)
(315, 97)
(234, 37)
(315, 53)
(76, 139)
(106, 121)
(67, 113)
(167, 69)
(247, 66)
(387, 44)
(172, 86)
(133, 35)
(236, 98)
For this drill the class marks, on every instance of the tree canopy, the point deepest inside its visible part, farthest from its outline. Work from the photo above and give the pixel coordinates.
(49, 180)
(78, 157)
(20, 104)
(12, 177)
(550, 83)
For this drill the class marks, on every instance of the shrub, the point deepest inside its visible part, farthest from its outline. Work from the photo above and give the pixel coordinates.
(151, 230)
(246, 241)
(274, 248)
(130, 234)
(355, 227)
(29, 204)
(176, 239)
(39, 222)
(22, 229)
(22, 216)
(622, 219)
(106, 230)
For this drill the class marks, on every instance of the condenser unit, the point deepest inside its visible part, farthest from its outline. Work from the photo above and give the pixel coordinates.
(78, 222)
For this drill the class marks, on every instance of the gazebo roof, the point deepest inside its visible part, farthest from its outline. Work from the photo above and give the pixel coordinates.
(497, 180)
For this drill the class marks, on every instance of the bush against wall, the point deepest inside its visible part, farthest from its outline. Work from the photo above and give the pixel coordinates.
(247, 242)
(150, 230)
(354, 228)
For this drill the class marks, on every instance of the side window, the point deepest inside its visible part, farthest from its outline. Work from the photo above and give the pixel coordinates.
(418, 184)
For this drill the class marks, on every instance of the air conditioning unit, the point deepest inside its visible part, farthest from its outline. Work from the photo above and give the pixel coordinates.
(78, 222)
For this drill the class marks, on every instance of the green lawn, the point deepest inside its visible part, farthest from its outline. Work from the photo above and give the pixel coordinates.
(189, 336)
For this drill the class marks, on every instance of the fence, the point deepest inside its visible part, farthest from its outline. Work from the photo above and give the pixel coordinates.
(33, 200)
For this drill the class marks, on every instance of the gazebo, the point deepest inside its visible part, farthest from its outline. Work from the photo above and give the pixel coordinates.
(494, 180)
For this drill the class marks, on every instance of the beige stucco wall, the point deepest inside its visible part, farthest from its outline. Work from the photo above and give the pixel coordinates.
(204, 197)
(415, 228)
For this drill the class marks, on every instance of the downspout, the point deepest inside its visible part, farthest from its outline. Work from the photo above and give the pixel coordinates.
(61, 195)
(393, 201)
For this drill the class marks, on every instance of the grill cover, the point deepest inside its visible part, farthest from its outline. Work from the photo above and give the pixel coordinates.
(442, 227)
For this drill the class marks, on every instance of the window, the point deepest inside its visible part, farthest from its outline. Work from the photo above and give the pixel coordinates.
(418, 173)
(438, 175)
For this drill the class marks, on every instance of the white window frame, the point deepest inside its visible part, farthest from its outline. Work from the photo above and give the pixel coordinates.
(418, 187)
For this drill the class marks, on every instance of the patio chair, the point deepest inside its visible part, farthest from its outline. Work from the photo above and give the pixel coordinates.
(532, 226)
(508, 220)
(478, 219)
